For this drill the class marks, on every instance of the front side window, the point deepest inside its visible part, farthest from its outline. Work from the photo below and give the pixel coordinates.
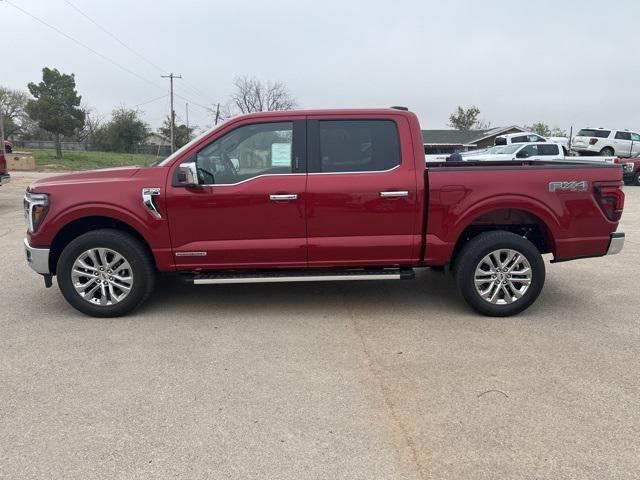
(528, 151)
(535, 138)
(520, 139)
(358, 145)
(635, 137)
(245, 153)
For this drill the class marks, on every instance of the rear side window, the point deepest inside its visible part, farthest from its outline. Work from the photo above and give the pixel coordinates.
(501, 141)
(549, 149)
(588, 132)
(520, 139)
(358, 145)
(623, 135)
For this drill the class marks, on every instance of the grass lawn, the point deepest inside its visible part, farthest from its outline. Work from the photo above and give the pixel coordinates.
(72, 160)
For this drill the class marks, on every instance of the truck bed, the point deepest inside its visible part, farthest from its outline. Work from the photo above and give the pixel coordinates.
(558, 198)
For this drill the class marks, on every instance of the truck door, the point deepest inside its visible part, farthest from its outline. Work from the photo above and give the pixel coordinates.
(248, 207)
(362, 198)
(622, 144)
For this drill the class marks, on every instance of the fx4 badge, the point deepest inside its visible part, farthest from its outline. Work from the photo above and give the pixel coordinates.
(577, 186)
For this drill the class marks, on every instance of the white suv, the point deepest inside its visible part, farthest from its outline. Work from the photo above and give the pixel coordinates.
(606, 142)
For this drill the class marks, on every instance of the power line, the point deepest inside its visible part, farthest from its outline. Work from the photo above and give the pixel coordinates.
(115, 37)
(150, 101)
(69, 37)
(192, 87)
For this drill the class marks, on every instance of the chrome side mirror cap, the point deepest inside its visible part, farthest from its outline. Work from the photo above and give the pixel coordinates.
(186, 175)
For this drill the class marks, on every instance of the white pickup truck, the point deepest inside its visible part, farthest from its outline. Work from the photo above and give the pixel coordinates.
(530, 137)
(527, 151)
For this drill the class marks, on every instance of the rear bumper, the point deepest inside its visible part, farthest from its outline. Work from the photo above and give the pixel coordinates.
(616, 243)
(5, 178)
(37, 258)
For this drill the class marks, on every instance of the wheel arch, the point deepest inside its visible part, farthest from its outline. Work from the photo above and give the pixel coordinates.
(81, 225)
(537, 225)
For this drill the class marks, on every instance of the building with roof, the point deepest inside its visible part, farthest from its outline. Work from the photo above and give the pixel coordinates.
(448, 141)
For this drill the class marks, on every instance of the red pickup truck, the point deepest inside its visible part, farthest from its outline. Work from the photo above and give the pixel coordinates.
(322, 195)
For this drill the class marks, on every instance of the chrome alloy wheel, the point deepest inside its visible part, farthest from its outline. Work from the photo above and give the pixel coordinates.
(102, 276)
(503, 276)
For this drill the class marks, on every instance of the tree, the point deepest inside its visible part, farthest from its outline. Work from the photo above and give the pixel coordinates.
(182, 134)
(12, 105)
(467, 119)
(56, 105)
(543, 130)
(540, 128)
(93, 121)
(125, 130)
(253, 95)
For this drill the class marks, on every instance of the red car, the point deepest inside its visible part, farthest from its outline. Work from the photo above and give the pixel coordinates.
(4, 174)
(323, 195)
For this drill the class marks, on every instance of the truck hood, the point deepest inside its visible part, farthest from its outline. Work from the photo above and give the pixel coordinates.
(87, 176)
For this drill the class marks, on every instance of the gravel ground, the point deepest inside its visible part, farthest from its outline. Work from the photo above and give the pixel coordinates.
(357, 380)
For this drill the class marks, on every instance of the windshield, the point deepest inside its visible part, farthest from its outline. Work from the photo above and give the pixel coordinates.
(175, 154)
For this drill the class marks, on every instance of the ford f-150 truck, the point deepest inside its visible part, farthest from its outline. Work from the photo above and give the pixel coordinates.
(322, 195)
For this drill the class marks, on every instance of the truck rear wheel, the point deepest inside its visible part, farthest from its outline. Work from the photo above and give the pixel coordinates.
(500, 273)
(105, 273)
(636, 180)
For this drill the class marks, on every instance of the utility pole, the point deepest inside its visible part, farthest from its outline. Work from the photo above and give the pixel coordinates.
(2, 132)
(172, 116)
(188, 133)
(217, 114)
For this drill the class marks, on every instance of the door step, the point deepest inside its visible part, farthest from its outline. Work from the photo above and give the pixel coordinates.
(301, 276)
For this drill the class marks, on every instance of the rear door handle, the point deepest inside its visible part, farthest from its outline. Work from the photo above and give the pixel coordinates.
(283, 197)
(394, 194)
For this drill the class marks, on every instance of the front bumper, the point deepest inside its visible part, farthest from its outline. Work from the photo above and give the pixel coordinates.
(628, 176)
(616, 243)
(37, 258)
(5, 178)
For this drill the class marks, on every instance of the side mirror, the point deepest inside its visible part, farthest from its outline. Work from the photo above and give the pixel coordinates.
(522, 154)
(186, 175)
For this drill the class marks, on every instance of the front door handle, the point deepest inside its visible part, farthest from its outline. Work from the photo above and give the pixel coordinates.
(394, 194)
(283, 197)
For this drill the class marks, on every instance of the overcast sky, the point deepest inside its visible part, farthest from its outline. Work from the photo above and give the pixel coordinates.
(562, 62)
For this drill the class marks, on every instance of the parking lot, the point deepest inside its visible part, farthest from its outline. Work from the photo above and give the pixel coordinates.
(354, 380)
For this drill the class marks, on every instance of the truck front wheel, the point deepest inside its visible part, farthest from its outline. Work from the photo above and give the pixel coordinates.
(105, 273)
(499, 273)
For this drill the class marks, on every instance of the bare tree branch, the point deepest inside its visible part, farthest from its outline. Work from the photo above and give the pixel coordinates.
(252, 95)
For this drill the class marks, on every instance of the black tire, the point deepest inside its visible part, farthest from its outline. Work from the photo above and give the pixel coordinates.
(470, 258)
(138, 257)
(607, 152)
(636, 180)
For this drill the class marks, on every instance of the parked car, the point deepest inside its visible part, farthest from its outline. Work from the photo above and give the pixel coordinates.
(607, 142)
(319, 195)
(8, 146)
(530, 137)
(4, 174)
(631, 170)
(532, 151)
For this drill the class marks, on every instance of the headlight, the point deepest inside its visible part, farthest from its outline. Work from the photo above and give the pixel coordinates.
(36, 206)
(628, 167)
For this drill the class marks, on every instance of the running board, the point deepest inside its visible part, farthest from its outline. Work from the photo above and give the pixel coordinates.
(302, 276)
